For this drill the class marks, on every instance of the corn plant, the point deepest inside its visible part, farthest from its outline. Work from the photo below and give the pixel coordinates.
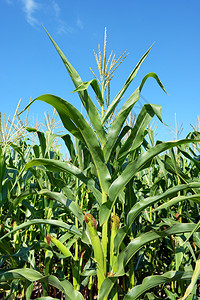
(107, 239)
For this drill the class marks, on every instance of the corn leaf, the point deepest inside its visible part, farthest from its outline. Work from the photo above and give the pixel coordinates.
(32, 275)
(71, 228)
(145, 116)
(67, 111)
(133, 167)
(86, 101)
(118, 123)
(137, 243)
(146, 202)
(137, 133)
(59, 166)
(195, 198)
(69, 204)
(152, 281)
(194, 279)
(94, 84)
(118, 97)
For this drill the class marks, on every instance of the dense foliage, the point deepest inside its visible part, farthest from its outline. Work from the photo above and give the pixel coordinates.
(118, 220)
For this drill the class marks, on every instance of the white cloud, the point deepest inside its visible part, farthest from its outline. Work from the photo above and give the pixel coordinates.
(64, 28)
(30, 7)
(79, 23)
(56, 8)
(38, 12)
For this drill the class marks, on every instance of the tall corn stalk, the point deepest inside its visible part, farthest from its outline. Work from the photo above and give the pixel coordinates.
(111, 178)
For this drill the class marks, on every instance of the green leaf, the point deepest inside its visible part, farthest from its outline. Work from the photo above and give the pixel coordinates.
(155, 76)
(67, 112)
(118, 97)
(152, 281)
(71, 228)
(193, 231)
(179, 252)
(137, 243)
(170, 295)
(47, 298)
(194, 279)
(2, 167)
(196, 163)
(32, 275)
(71, 205)
(118, 122)
(29, 290)
(137, 134)
(18, 199)
(146, 202)
(64, 286)
(148, 283)
(41, 137)
(59, 166)
(70, 146)
(195, 198)
(89, 272)
(94, 84)
(26, 273)
(172, 167)
(86, 101)
(61, 106)
(133, 167)
(106, 288)
(6, 248)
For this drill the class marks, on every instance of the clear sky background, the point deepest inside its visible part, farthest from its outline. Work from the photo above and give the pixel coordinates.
(30, 66)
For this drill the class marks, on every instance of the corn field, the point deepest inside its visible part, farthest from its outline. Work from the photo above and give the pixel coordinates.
(118, 219)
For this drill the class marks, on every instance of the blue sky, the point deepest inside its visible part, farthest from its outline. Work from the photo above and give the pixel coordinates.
(31, 67)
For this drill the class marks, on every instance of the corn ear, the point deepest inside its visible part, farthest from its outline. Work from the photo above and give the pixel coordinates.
(114, 224)
(65, 251)
(97, 247)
